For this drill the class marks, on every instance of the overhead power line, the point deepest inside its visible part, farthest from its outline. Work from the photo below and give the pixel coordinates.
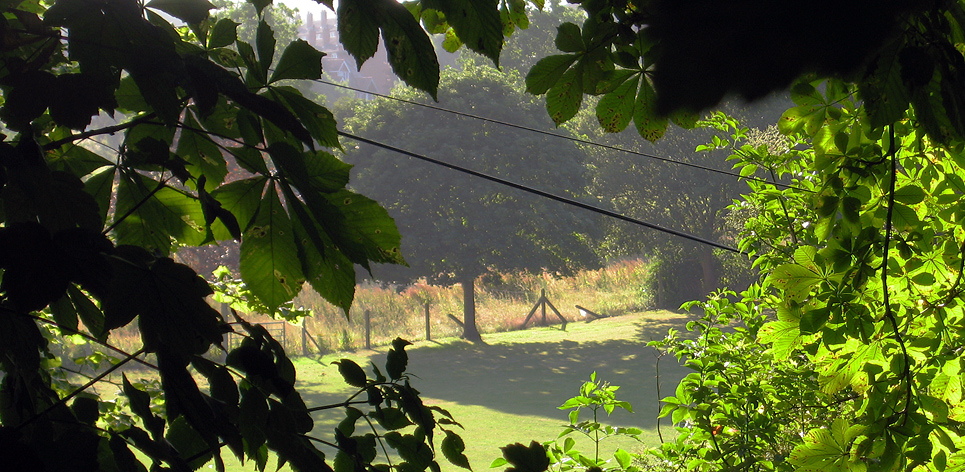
(570, 138)
(542, 193)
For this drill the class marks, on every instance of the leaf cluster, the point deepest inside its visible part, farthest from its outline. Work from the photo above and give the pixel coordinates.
(129, 135)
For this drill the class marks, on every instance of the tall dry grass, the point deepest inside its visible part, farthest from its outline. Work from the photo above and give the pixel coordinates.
(502, 304)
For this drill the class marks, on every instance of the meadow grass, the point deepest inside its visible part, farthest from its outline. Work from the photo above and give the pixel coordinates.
(502, 303)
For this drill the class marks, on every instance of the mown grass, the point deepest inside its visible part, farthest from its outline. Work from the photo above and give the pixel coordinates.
(508, 389)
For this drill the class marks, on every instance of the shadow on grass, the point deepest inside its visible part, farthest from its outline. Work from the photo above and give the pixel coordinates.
(534, 378)
(524, 377)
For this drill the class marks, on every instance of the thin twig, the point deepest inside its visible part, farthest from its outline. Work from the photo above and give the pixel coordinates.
(95, 132)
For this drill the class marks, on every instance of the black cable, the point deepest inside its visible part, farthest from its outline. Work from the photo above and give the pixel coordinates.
(542, 193)
(578, 140)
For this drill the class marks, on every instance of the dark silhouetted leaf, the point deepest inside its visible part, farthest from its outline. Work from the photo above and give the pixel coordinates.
(351, 372)
(526, 459)
(397, 360)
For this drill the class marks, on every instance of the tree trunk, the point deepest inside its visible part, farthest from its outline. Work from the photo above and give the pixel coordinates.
(709, 277)
(470, 332)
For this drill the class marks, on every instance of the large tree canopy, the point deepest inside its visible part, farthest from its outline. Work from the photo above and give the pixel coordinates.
(458, 227)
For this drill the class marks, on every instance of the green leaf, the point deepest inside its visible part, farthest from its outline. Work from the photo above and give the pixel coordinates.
(796, 281)
(884, 93)
(191, 11)
(411, 54)
(153, 215)
(203, 155)
(255, 75)
(685, 119)
(64, 314)
(569, 38)
(299, 61)
(564, 99)
(813, 320)
(547, 72)
(905, 218)
(241, 198)
(188, 442)
(174, 315)
(784, 337)
(140, 403)
(910, 194)
(347, 425)
(129, 97)
(269, 260)
(224, 33)
(358, 28)
(615, 110)
(351, 372)
(476, 22)
(623, 458)
(650, 126)
(221, 383)
(89, 314)
(367, 227)
(316, 118)
(253, 419)
(391, 419)
(454, 449)
(260, 4)
(795, 120)
(265, 44)
(329, 272)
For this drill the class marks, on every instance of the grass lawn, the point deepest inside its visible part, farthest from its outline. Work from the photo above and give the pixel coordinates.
(508, 389)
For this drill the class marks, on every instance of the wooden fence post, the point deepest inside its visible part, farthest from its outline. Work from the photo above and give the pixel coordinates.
(542, 303)
(368, 330)
(428, 326)
(304, 339)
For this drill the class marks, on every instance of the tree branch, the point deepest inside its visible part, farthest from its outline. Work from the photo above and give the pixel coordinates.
(889, 315)
(96, 132)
